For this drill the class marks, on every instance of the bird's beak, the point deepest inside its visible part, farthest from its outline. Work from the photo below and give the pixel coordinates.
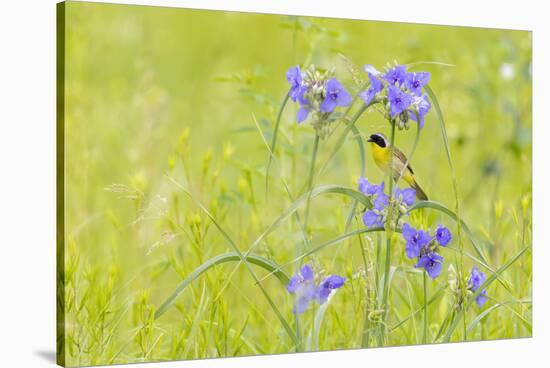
(370, 139)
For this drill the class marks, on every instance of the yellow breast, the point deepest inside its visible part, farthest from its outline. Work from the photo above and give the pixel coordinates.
(381, 157)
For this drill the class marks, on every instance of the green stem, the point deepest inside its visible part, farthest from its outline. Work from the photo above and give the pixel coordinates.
(310, 181)
(299, 343)
(464, 325)
(342, 138)
(366, 322)
(425, 335)
(274, 141)
(389, 233)
(435, 103)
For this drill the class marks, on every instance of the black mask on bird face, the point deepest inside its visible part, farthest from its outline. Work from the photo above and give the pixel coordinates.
(378, 139)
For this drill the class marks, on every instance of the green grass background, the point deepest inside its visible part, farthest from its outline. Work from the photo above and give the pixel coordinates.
(158, 97)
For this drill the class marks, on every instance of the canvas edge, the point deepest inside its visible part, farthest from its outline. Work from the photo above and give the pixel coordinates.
(60, 183)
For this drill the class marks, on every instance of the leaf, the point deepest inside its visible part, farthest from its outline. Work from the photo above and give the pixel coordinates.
(317, 322)
(329, 243)
(220, 259)
(315, 192)
(441, 208)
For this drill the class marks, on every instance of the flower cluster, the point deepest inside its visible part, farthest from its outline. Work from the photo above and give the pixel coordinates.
(318, 94)
(469, 285)
(421, 245)
(400, 92)
(376, 217)
(302, 284)
(477, 278)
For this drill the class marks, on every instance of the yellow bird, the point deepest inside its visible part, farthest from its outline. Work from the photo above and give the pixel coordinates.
(381, 152)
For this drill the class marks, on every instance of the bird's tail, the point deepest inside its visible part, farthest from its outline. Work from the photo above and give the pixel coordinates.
(419, 192)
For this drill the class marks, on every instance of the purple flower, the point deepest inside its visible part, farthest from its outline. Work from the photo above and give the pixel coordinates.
(396, 75)
(305, 106)
(399, 100)
(482, 298)
(302, 114)
(332, 282)
(381, 201)
(423, 109)
(375, 87)
(370, 189)
(372, 218)
(335, 95)
(294, 78)
(432, 263)
(416, 81)
(405, 196)
(415, 240)
(303, 286)
(443, 235)
(477, 278)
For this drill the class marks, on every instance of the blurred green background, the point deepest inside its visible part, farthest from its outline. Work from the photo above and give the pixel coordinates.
(161, 97)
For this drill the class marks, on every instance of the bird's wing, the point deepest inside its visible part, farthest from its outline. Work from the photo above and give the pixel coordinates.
(401, 156)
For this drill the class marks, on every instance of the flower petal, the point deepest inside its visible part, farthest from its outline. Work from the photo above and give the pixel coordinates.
(372, 219)
(412, 250)
(301, 305)
(302, 114)
(307, 273)
(443, 235)
(323, 294)
(334, 282)
(294, 283)
(344, 98)
(367, 96)
(482, 298)
(408, 231)
(328, 105)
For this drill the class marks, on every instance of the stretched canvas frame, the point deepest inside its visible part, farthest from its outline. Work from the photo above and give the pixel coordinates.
(241, 184)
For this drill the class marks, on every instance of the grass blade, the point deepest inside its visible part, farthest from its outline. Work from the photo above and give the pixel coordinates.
(425, 300)
(342, 138)
(309, 184)
(329, 243)
(196, 321)
(220, 259)
(313, 341)
(274, 141)
(315, 192)
(483, 314)
(434, 297)
(441, 208)
(361, 146)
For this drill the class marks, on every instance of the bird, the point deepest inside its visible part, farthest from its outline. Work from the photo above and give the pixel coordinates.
(381, 152)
